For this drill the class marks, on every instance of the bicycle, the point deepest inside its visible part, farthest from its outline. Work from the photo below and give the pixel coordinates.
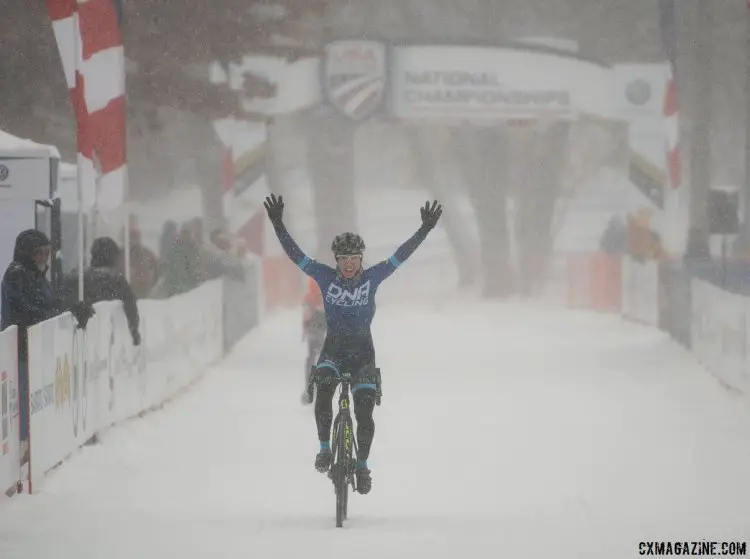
(344, 447)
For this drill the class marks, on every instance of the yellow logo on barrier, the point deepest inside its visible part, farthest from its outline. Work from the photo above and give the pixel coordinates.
(62, 382)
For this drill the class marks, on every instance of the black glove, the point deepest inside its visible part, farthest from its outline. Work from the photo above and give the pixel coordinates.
(136, 338)
(82, 312)
(275, 208)
(430, 215)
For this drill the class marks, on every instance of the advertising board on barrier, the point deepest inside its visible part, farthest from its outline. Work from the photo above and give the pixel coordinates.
(482, 83)
(57, 390)
(10, 455)
(82, 382)
(704, 330)
(719, 333)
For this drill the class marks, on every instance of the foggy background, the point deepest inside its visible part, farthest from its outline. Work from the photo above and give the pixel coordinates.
(173, 107)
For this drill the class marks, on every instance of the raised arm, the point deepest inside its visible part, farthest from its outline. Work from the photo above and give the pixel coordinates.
(430, 217)
(275, 208)
(130, 306)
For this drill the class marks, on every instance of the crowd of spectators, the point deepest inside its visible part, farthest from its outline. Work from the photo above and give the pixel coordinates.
(185, 260)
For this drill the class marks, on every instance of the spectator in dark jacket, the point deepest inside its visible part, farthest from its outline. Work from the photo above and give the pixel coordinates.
(104, 282)
(26, 294)
(614, 240)
(26, 298)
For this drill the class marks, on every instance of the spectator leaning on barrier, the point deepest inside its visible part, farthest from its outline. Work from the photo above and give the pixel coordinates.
(103, 281)
(26, 297)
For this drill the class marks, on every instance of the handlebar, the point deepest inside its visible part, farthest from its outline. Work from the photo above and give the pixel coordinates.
(345, 377)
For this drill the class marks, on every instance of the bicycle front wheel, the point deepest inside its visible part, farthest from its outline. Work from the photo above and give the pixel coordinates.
(341, 469)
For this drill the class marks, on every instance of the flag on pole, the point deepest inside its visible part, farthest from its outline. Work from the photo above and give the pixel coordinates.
(668, 28)
(90, 45)
(119, 7)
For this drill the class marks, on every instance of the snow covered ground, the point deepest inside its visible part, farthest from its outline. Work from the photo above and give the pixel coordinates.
(506, 430)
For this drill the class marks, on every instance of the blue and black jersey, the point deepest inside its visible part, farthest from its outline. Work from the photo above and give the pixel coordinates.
(349, 304)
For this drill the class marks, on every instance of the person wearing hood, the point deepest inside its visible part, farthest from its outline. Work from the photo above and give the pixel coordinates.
(26, 298)
(103, 281)
(26, 294)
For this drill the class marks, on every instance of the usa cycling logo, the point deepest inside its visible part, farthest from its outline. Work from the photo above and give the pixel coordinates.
(355, 77)
(344, 298)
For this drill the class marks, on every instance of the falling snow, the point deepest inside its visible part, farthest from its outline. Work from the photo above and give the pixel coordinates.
(513, 430)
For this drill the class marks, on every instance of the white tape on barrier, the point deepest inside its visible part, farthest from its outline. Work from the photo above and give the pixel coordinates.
(10, 455)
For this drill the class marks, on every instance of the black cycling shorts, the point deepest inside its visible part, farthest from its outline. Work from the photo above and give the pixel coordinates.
(353, 356)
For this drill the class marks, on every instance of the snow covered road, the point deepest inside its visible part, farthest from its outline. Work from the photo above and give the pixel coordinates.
(506, 430)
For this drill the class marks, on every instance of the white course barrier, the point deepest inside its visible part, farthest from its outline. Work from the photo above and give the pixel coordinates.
(82, 382)
(10, 454)
(640, 291)
(720, 333)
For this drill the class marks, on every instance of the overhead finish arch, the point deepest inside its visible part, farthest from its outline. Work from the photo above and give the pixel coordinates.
(481, 84)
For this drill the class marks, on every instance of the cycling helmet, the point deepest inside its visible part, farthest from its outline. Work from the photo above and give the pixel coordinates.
(347, 243)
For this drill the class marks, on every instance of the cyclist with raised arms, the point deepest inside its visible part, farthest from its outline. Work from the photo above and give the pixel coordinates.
(349, 302)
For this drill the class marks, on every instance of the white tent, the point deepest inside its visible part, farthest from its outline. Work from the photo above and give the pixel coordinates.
(67, 190)
(28, 173)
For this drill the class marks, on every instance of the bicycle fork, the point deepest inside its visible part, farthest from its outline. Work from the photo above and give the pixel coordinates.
(350, 449)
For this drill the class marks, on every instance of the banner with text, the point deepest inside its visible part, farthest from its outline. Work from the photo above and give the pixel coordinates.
(82, 382)
(478, 84)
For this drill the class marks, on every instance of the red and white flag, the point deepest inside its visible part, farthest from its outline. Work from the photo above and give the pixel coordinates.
(90, 44)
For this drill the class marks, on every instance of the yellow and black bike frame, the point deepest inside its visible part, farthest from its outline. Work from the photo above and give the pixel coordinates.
(344, 452)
